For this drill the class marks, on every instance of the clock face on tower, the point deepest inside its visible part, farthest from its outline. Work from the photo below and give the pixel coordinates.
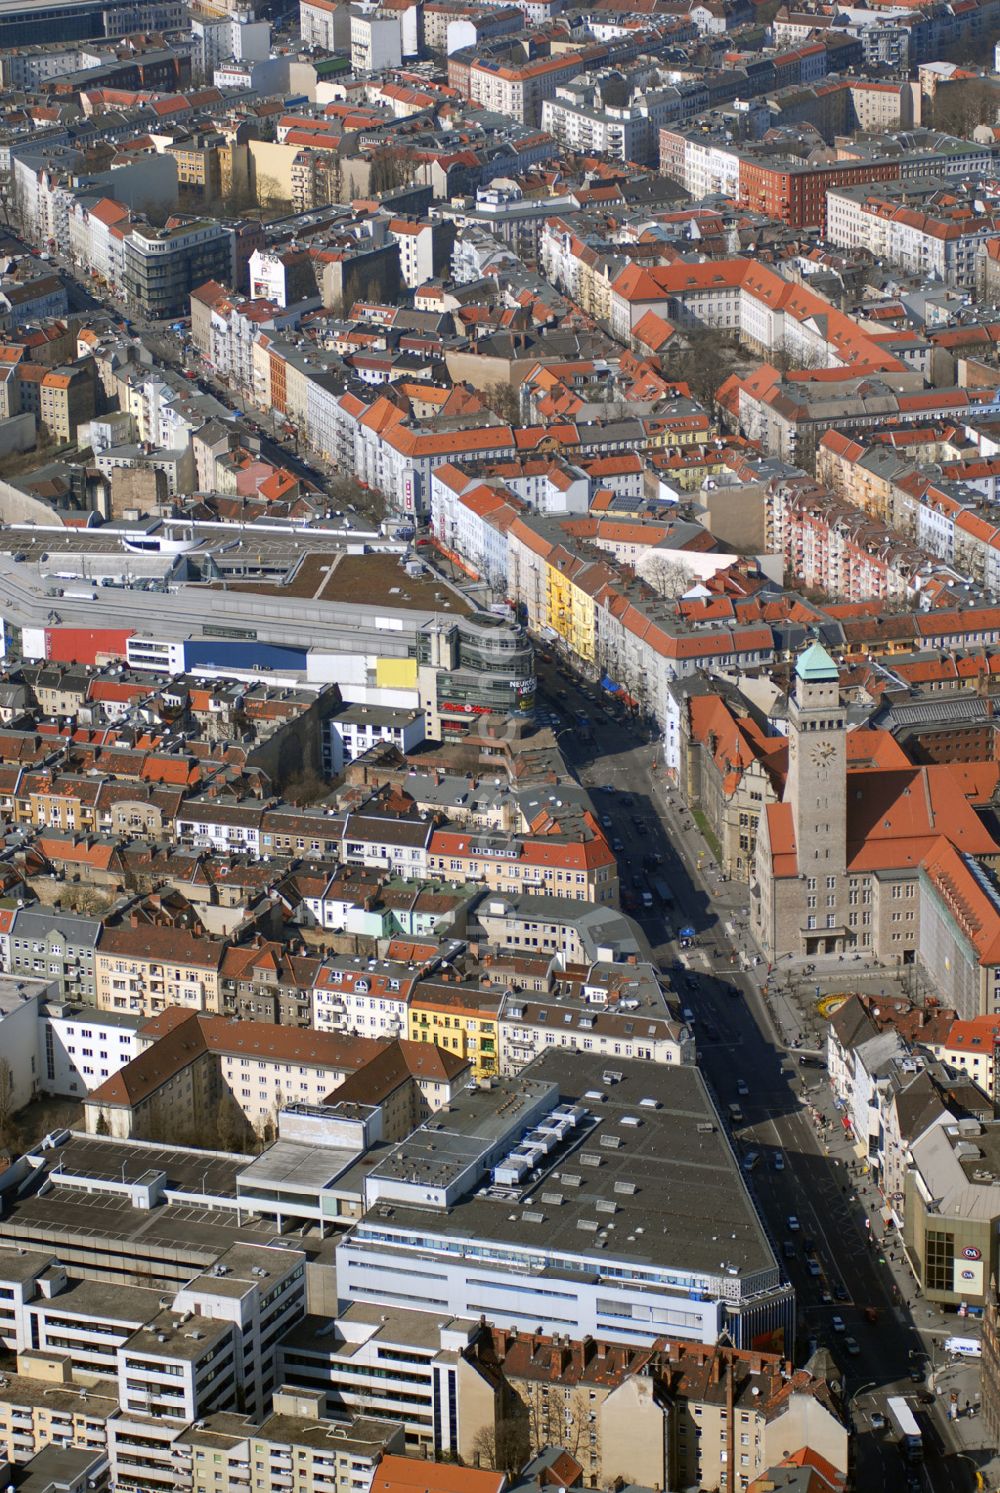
(822, 756)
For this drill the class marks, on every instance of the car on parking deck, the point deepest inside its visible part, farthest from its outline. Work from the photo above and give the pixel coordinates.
(838, 1324)
(742, 1086)
(779, 1162)
(793, 1223)
(852, 1345)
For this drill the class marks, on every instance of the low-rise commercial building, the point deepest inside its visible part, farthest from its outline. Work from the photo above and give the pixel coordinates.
(530, 1170)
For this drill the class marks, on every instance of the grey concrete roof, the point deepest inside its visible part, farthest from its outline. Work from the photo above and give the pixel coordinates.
(646, 1184)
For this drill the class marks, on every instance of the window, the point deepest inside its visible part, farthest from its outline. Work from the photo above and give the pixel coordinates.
(940, 1262)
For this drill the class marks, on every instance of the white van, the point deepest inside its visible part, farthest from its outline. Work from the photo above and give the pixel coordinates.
(964, 1347)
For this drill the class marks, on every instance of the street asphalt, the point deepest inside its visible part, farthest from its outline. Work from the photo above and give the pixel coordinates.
(749, 1047)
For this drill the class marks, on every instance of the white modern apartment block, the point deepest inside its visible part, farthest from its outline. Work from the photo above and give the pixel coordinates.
(384, 1361)
(213, 1347)
(358, 728)
(416, 250)
(259, 1291)
(80, 1047)
(376, 41)
(217, 39)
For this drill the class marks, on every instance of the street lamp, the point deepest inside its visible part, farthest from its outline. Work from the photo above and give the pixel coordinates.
(873, 1384)
(966, 1457)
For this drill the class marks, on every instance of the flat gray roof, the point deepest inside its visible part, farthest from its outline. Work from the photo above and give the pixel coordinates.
(103, 1158)
(298, 1165)
(645, 1184)
(451, 1139)
(191, 1339)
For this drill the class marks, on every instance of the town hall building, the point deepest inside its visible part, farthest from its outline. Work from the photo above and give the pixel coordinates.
(837, 861)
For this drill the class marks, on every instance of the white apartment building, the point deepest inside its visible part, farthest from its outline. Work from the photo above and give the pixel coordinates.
(891, 223)
(319, 24)
(260, 1291)
(43, 1310)
(297, 1446)
(416, 250)
(358, 728)
(528, 1026)
(217, 39)
(143, 1452)
(215, 1345)
(384, 1361)
(710, 168)
(369, 999)
(80, 1047)
(376, 41)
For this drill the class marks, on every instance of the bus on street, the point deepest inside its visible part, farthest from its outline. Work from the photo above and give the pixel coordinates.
(904, 1422)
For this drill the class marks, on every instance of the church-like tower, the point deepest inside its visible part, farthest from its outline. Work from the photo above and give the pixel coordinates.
(816, 790)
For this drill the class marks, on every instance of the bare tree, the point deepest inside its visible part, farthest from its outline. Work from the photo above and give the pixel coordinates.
(504, 401)
(6, 1099)
(786, 358)
(502, 1446)
(703, 364)
(305, 788)
(559, 1419)
(390, 169)
(231, 1124)
(961, 106)
(666, 574)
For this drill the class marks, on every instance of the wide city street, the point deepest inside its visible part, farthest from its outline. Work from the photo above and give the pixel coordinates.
(857, 1299)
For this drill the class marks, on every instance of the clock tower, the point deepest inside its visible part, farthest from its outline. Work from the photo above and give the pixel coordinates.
(816, 790)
